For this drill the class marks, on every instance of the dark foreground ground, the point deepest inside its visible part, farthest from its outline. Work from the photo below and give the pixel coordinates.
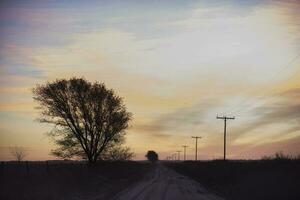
(162, 183)
(246, 180)
(67, 180)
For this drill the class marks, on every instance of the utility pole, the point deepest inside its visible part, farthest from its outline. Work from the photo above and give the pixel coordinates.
(178, 152)
(184, 155)
(174, 157)
(196, 137)
(225, 125)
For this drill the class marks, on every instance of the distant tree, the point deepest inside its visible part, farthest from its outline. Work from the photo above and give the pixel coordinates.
(19, 153)
(117, 152)
(87, 117)
(152, 156)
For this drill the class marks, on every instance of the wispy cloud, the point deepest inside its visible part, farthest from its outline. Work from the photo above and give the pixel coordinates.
(183, 119)
(283, 111)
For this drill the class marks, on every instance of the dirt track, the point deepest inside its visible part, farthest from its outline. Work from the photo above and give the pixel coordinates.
(163, 184)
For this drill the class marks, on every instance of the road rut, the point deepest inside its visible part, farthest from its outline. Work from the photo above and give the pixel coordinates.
(165, 184)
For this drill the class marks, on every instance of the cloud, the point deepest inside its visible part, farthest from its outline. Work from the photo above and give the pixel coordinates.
(182, 120)
(275, 120)
(17, 62)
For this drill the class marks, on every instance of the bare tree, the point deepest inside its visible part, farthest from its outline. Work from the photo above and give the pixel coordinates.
(117, 153)
(19, 153)
(87, 117)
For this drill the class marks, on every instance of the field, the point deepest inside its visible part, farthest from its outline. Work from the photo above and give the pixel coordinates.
(233, 180)
(67, 180)
(246, 180)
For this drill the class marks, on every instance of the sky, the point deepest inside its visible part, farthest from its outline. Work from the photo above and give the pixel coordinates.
(176, 64)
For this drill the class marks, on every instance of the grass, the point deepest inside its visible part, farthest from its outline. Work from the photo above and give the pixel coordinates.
(66, 180)
(273, 178)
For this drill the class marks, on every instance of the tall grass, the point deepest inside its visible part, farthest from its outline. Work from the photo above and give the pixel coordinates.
(281, 156)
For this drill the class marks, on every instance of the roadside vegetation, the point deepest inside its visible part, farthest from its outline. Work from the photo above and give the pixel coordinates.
(50, 180)
(272, 177)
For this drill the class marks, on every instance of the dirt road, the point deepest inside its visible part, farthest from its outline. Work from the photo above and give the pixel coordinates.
(165, 184)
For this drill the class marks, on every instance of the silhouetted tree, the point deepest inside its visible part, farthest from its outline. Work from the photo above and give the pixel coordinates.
(19, 153)
(152, 156)
(117, 152)
(88, 117)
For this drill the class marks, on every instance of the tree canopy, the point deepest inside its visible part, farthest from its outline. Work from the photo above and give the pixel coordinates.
(87, 117)
(152, 156)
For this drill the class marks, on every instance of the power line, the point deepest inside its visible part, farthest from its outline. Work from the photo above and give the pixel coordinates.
(225, 123)
(174, 157)
(184, 151)
(178, 157)
(196, 137)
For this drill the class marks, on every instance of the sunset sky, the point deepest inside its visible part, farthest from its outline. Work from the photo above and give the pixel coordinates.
(177, 64)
